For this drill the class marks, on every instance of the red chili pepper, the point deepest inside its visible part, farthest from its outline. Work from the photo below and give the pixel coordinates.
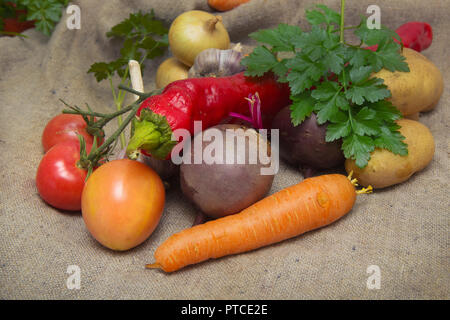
(209, 100)
(414, 35)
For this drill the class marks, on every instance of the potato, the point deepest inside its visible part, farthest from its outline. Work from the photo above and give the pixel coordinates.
(170, 70)
(417, 90)
(386, 169)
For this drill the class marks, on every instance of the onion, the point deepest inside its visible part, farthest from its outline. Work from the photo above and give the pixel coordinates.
(169, 71)
(194, 31)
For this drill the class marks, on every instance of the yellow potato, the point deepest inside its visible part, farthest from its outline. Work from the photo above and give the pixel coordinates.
(386, 169)
(170, 70)
(417, 90)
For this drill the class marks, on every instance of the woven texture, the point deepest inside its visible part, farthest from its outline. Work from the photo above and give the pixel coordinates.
(403, 229)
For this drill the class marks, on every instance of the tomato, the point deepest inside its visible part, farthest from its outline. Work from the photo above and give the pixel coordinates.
(65, 127)
(122, 203)
(59, 181)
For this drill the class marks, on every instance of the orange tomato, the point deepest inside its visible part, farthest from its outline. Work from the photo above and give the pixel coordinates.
(122, 203)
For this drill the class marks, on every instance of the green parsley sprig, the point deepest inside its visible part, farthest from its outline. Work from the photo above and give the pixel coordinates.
(144, 37)
(334, 79)
(45, 13)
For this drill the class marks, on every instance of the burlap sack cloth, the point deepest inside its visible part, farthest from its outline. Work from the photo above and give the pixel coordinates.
(403, 229)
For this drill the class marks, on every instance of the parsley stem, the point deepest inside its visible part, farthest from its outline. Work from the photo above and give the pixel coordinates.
(341, 39)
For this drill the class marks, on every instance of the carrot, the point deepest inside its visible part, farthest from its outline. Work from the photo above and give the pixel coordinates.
(225, 5)
(311, 204)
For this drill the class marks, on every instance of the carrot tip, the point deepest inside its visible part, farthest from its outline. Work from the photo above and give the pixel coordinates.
(153, 266)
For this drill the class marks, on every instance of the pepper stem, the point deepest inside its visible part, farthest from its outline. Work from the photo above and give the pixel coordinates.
(151, 133)
(145, 136)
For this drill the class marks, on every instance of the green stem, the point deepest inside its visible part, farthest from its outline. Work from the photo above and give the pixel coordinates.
(118, 104)
(130, 90)
(134, 107)
(341, 39)
(108, 116)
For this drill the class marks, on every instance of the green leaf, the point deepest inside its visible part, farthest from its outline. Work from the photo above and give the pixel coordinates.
(371, 90)
(325, 91)
(391, 139)
(315, 17)
(326, 110)
(364, 122)
(385, 110)
(338, 130)
(144, 37)
(388, 56)
(280, 38)
(360, 74)
(335, 79)
(372, 37)
(101, 70)
(304, 73)
(45, 14)
(298, 82)
(358, 57)
(260, 61)
(301, 108)
(326, 15)
(358, 148)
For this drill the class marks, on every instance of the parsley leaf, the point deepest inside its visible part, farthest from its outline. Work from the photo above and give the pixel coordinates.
(358, 148)
(280, 38)
(301, 108)
(391, 140)
(144, 37)
(45, 13)
(260, 61)
(335, 80)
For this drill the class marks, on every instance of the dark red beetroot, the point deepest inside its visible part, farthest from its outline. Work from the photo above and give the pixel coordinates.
(305, 144)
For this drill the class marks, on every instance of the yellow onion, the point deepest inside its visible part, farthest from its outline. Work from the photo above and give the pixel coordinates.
(169, 71)
(194, 31)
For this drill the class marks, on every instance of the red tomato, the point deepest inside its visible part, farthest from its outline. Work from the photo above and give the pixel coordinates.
(122, 203)
(65, 127)
(59, 181)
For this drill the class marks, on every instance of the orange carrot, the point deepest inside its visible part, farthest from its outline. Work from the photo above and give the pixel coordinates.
(225, 5)
(311, 204)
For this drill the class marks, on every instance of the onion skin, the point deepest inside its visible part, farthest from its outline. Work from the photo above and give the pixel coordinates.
(194, 31)
(170, 70)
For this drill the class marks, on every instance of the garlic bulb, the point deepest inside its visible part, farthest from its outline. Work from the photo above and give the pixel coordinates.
(216, 63)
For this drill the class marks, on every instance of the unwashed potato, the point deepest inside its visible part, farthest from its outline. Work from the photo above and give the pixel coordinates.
(386, 169)
(417, 90)
(170, 70)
